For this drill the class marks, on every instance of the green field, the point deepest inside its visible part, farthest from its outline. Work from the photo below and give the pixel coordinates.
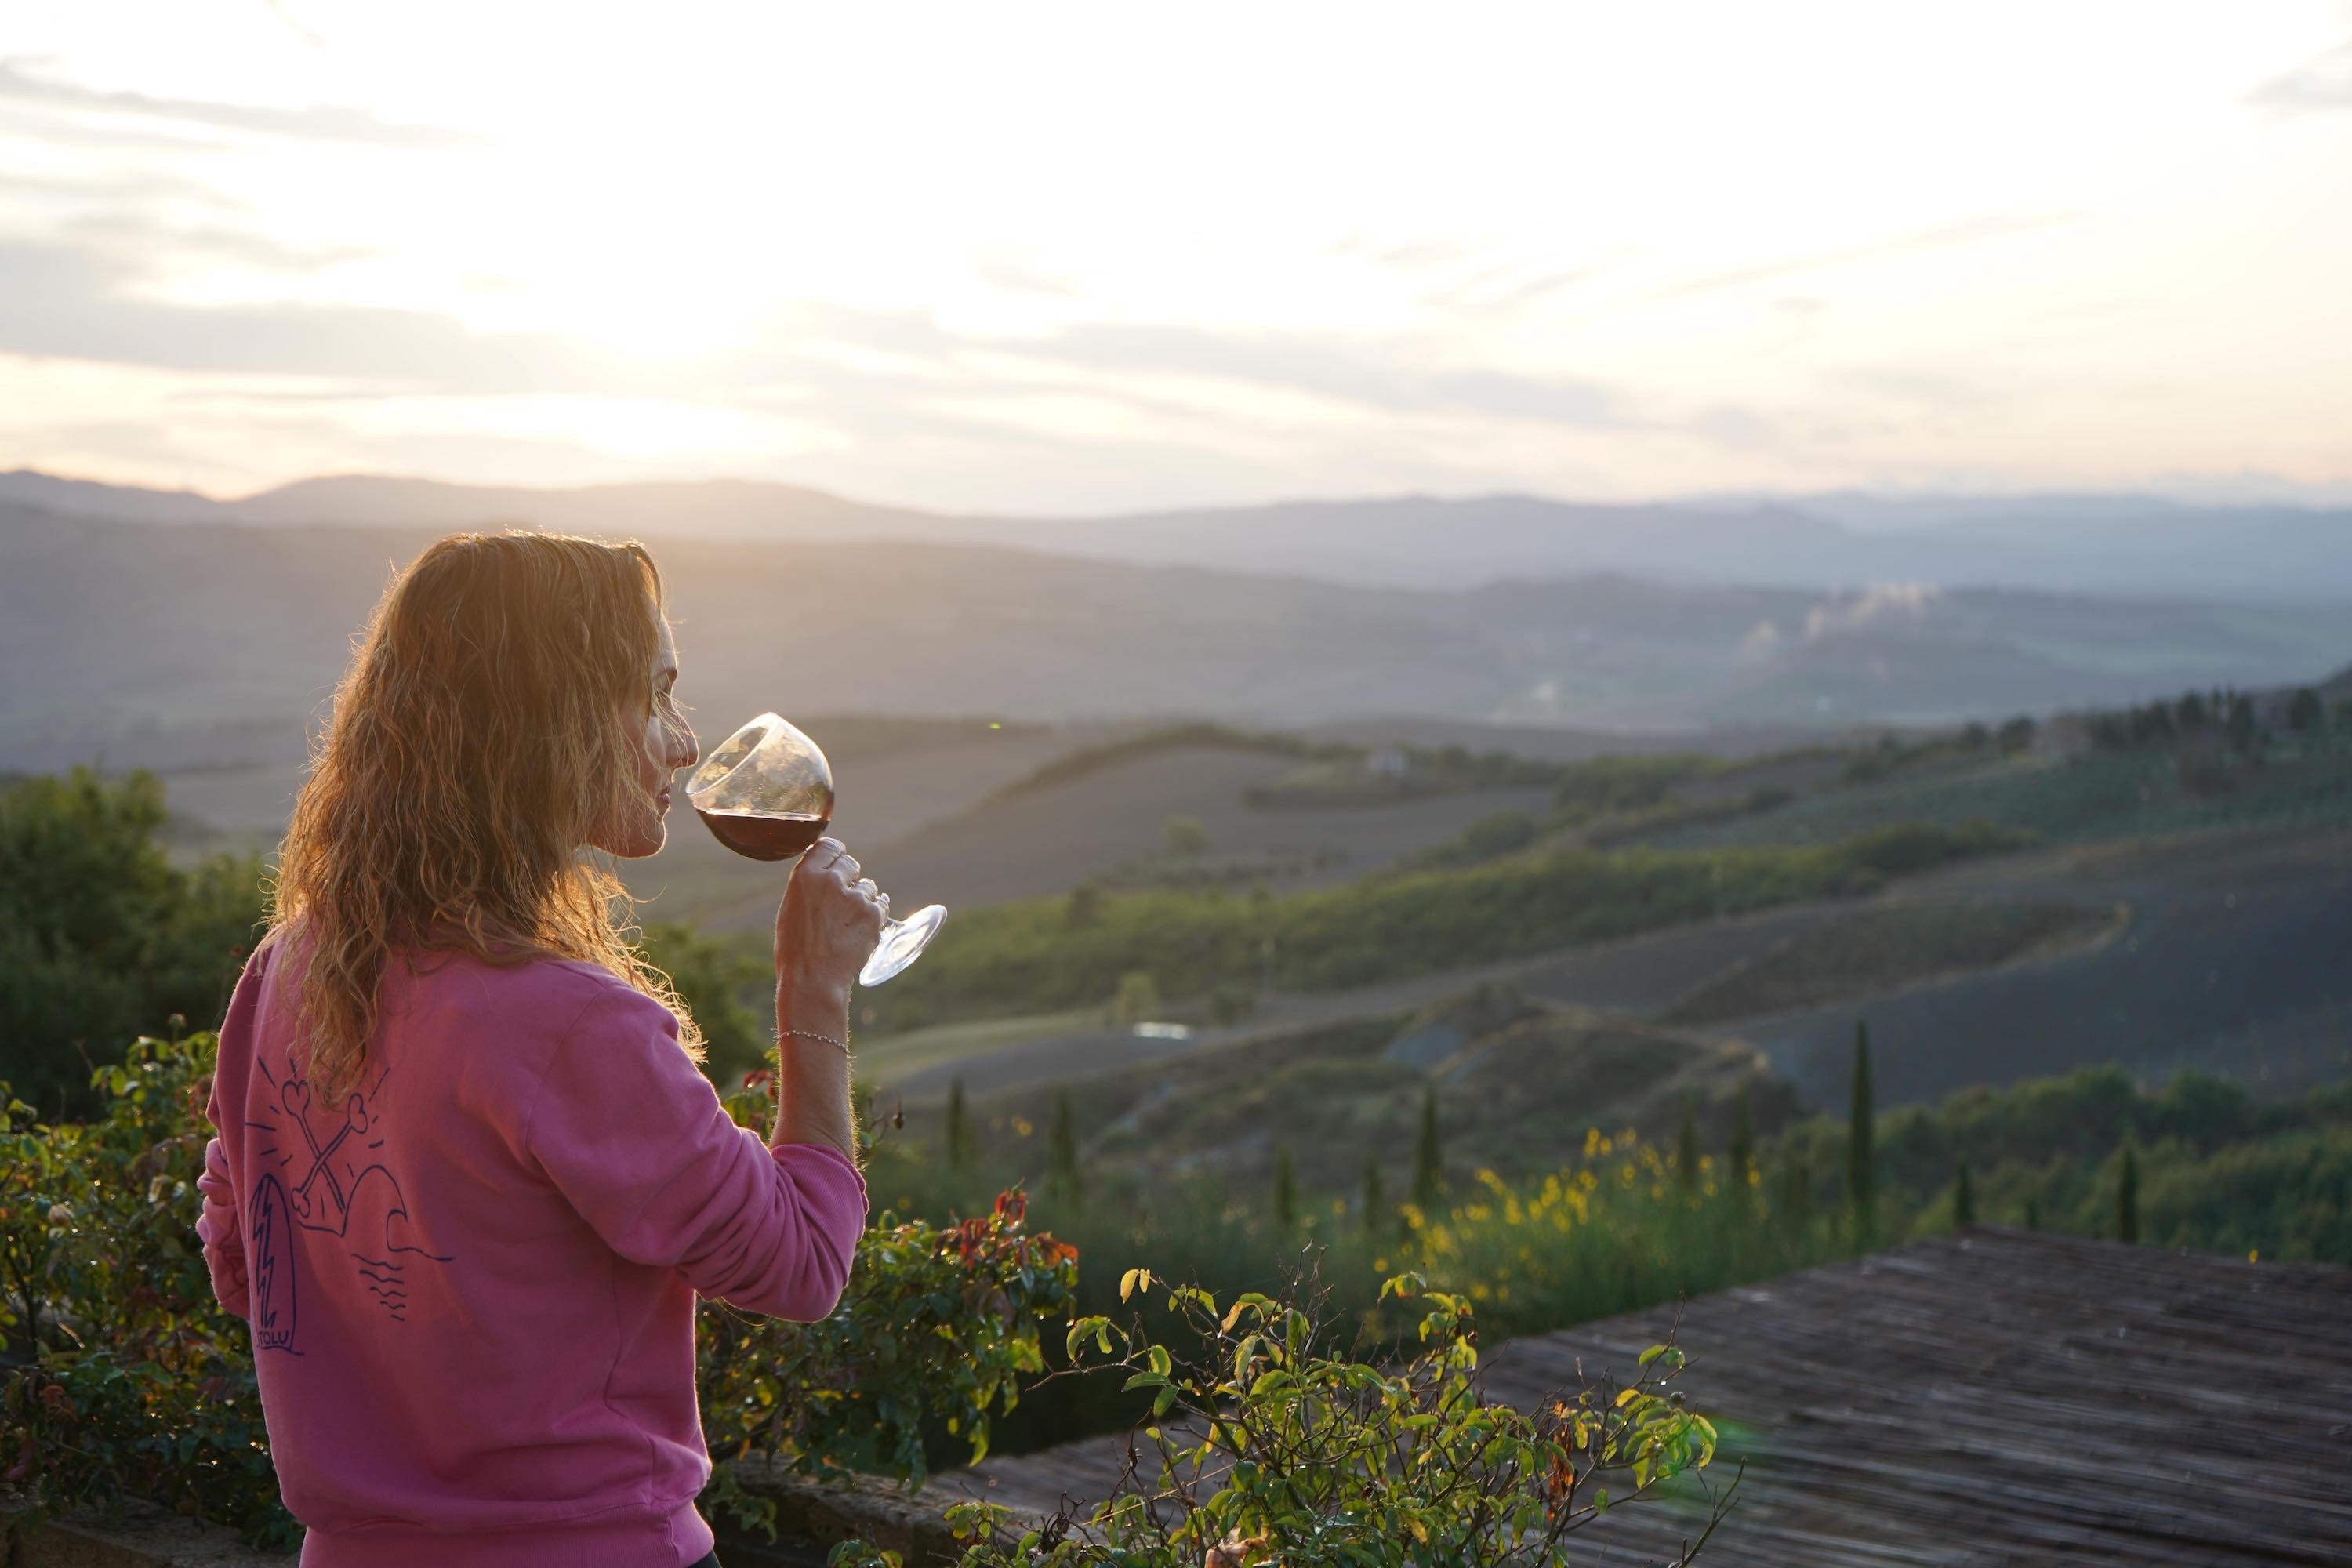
(2105, 795)
(1891, 944)
(1045, 954)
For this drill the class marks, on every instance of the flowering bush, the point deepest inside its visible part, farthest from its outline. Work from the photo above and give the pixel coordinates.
(937, 1325)
(125, 1378)
(1617, 1230)
(1265, 1445)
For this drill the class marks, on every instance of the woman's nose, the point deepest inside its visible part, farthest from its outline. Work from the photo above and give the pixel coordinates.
(685, 750)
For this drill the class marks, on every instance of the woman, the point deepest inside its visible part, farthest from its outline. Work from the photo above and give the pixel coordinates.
(467, 1182)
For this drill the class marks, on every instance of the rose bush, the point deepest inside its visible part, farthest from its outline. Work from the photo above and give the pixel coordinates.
(125, 1378)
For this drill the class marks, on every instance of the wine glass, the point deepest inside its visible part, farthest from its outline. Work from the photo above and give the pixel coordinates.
(767, 793)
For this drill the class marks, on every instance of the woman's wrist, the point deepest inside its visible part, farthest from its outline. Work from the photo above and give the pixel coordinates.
(812, 1079)
(820, 1010)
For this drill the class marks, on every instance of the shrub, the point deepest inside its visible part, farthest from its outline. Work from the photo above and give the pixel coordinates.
(135, 1382)
(1184, 836)
(1268, 1443)
(725, 984)
(101, 937)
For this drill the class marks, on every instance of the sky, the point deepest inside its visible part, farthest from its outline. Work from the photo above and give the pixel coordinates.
(1064, 259)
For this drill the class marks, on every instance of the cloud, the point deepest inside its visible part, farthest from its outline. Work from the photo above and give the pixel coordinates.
(2320, 83)
(120, 188)
(858, 375)
(1010, 271)
(321, 123)
(1499, 290)
(1388, 375)
(1990, 225)
(71, 302)
(1423, 253)
(136, 241)
(1919, 385)
(47, 128)
(1728, 425)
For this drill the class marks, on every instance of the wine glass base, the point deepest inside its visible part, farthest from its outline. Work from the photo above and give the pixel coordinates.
(902, 943)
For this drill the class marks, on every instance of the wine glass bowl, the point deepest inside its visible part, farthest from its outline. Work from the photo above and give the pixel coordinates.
(766, 791)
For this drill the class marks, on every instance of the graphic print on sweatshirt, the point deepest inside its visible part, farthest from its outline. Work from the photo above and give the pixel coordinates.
(320, 1184)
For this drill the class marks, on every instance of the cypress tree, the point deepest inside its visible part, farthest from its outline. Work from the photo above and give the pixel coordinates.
(1743, 1150)
(1285, 1189)
(1687, 1151)
(2127, 1198)
(1862, 1165)
(1376, 1200)
(2302, 711)
(1428, 1158)
(2243, 730)
(1964, 1199)
(959, 1132)
(1062, 1153)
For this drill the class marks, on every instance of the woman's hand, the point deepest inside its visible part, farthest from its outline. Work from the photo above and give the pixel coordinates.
(827, 926)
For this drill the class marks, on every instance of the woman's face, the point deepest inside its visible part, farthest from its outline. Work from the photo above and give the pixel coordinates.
(666, 744)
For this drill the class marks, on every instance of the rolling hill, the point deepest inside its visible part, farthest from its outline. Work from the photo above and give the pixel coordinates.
(2108, 545)
(194, 639)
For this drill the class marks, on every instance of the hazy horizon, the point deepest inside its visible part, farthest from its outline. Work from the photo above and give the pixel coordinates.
(1088, 264)
(2248, 491)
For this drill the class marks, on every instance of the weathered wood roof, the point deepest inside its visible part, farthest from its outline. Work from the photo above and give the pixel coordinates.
(1993, 1397)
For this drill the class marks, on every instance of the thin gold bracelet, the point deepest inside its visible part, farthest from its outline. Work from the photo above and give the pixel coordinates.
(843, 1045)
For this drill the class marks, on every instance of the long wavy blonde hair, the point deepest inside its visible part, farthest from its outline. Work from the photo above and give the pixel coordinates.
(485, 729)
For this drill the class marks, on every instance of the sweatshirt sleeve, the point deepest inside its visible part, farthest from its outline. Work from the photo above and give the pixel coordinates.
(216, 1224)
(635, 1137)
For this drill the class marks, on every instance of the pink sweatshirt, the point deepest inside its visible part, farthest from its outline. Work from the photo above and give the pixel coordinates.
(471, 1286)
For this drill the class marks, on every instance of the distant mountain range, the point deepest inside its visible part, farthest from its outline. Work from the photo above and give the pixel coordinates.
(2076, 544)
(211, 641)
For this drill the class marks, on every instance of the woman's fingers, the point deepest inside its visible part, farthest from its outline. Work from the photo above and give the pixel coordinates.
(831, 914)
(830, 855)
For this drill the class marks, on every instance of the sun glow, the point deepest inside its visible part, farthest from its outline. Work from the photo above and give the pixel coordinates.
(1631, 251)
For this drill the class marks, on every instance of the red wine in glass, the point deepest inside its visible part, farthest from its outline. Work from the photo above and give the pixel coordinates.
(764, 838)
(766, 791)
